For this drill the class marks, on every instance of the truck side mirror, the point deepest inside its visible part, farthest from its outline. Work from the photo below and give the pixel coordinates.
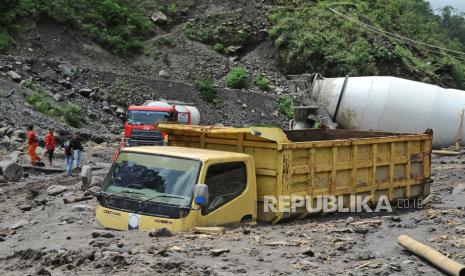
(201, 194)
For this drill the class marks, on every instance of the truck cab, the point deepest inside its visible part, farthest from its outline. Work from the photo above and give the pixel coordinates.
(140, 126)
(140, 130)
(153, 187)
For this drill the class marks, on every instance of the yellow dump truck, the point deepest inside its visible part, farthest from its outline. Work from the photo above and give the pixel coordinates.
(212, 176)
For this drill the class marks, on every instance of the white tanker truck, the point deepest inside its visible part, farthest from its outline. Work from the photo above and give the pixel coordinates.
(381, 103)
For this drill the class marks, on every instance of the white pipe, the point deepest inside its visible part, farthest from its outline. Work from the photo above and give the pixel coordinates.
(394, 105)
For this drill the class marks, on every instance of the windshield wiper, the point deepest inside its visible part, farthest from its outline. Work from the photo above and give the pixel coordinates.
(136, 186)
(121, 192)
(157, 196)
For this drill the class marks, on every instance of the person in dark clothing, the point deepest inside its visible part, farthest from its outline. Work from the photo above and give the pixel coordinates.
(76, 146)
(69, 157)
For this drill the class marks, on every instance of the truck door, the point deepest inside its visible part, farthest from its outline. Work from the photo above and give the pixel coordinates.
(231, 199)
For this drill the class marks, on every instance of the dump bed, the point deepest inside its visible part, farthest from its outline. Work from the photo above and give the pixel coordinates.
(317, 162)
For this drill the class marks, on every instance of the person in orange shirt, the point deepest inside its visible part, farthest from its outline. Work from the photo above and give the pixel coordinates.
(32, 145)
(50, 145)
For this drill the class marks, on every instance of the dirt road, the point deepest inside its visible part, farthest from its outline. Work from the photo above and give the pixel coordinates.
(42, 235)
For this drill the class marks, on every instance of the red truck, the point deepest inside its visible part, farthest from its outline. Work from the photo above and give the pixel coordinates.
(140, 130)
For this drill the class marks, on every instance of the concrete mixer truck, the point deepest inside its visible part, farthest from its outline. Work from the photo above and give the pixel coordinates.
(380, 103)
(140, 129)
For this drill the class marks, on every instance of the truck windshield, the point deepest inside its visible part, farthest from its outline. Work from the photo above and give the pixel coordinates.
(153, 178)
(144, 117)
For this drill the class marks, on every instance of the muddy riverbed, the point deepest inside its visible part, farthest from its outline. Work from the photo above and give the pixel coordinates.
(47, 227)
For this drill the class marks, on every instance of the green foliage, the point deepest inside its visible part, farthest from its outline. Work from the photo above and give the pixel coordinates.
(285, 106)
(311, 38)
(5, 40)
(453, 23)
(218, 47)
(42, 102)
(236, 78)
(213, 34)
(165, 40)
(172, 10)
(72, 114)
(262, 82)
(207, 91)
(114, 23)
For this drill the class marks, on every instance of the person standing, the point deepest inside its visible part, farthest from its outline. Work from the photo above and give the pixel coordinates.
(50, 145)
(69, 157)
(32, 145)
(76, 146)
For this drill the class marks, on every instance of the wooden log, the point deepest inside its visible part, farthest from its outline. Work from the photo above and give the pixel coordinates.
(11, 171)
(209, 230)
(375, 222)
(446, 152)
(447, 265)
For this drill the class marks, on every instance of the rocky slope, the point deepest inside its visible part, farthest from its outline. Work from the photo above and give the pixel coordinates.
(68, 66)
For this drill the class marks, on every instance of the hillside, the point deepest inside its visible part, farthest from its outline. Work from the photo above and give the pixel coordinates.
(126, 52)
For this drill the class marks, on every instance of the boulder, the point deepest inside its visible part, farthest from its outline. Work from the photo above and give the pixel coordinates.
(233, 49)
(19, 224)
(19, 133)
(81, 208)
(97, 181)
(92, 190)
(102, 234)
(279, 90)
(164, 74)
(107, 109)
(14, 76)
(218, 251)
(58, 97)
(161, 232)
(159, 18)
(26, 205)
(120, 111)
(66, 71)
(71, 198)
(11, 171)
(85, 92)
(56, 190)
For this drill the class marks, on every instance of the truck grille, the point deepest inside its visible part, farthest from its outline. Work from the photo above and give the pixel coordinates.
(146, 135)
(147, 208)
(145, 138)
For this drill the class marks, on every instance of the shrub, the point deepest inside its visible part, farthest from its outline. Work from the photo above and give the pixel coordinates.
(210, 33)
(262, 82)
(218, 47)
(42, 102)
(285, 106)
(5, 40)
(206, 90)
(172, 11)
(114, 23)
(236, 78)
(73, 115)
